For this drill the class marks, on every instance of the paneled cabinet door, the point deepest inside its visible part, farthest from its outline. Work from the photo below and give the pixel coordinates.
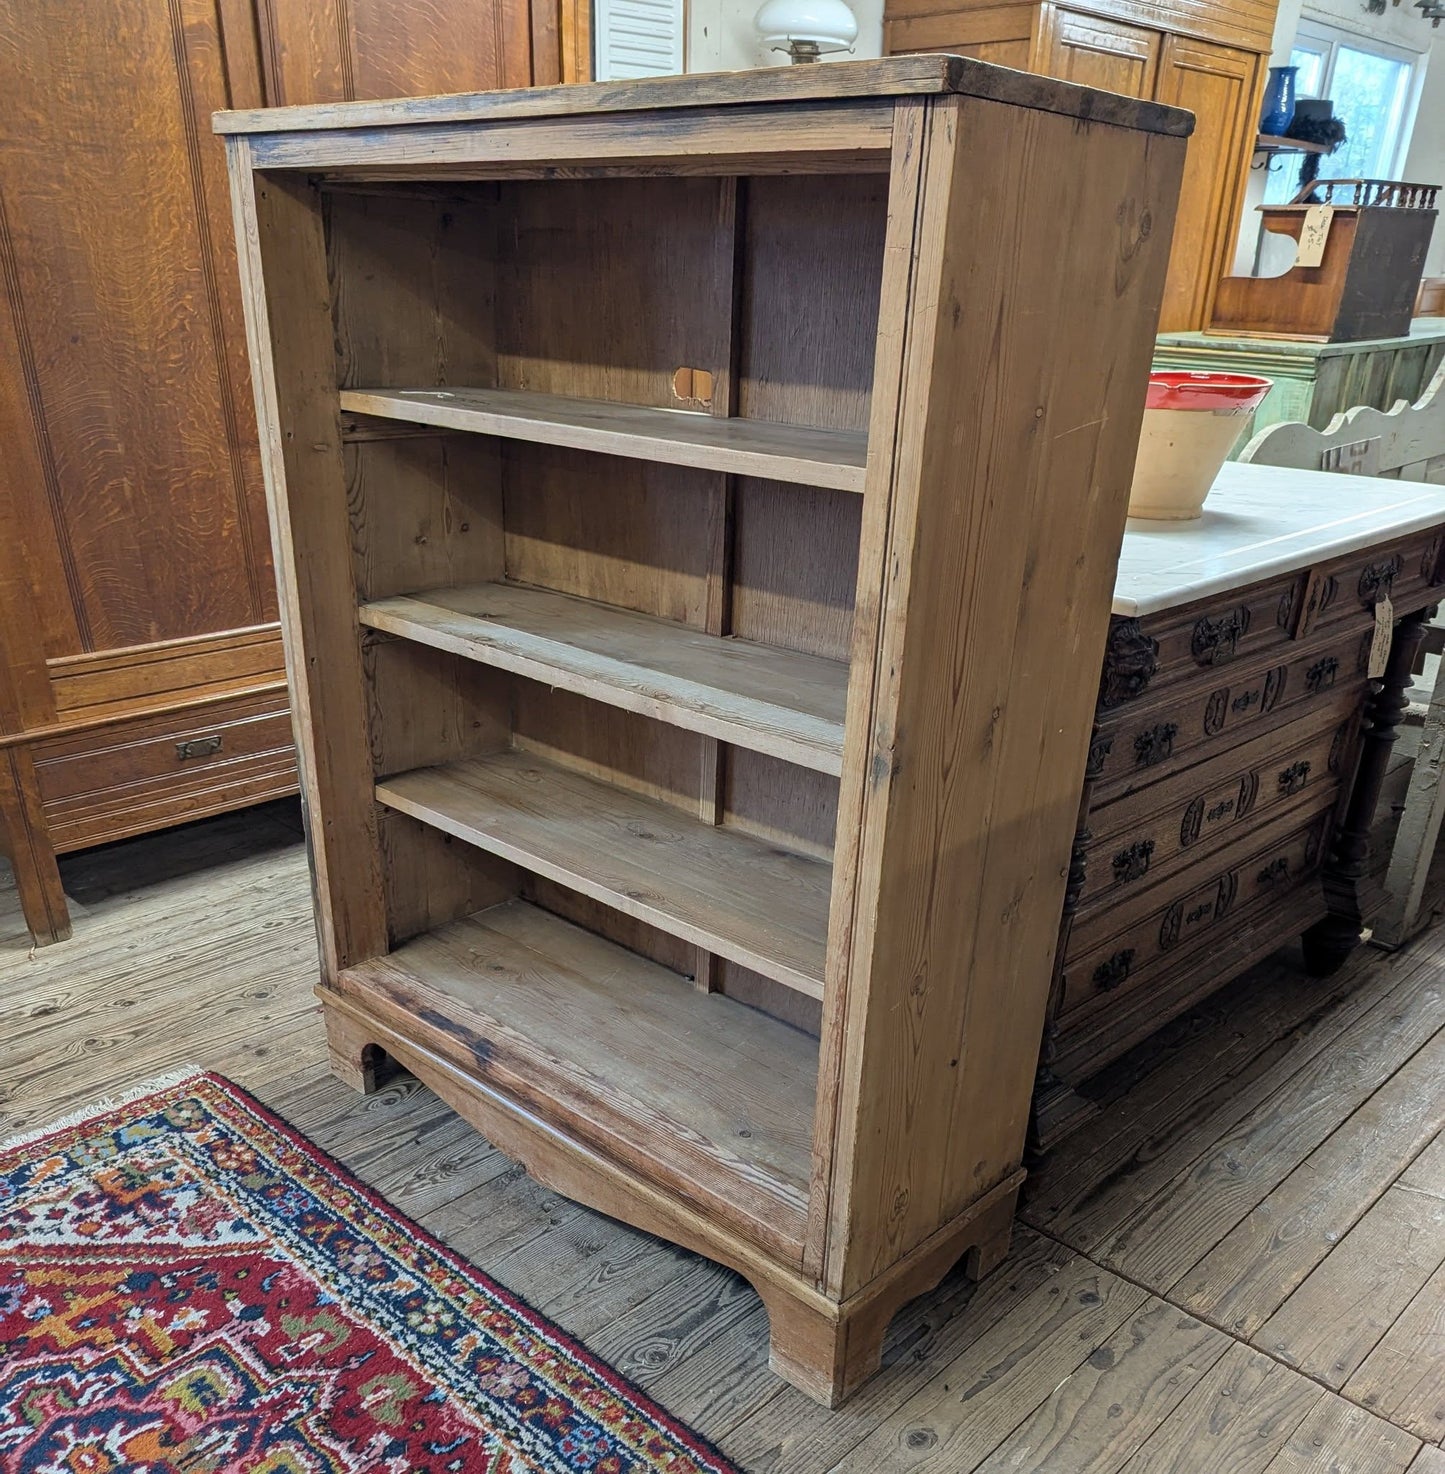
(1218, 85)
(1099, 53)
(342, 50)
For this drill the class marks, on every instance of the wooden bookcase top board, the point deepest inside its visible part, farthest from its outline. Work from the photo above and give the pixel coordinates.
(697, 504)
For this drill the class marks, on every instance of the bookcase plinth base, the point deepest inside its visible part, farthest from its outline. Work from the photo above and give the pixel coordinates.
(824, 1347)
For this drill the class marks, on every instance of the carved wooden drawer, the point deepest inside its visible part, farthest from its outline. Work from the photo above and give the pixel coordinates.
(1244, 625)
(1189, 814)
(1346, 591)
(1147, 740)
(1119, 947)
(165, 768)
(1159, 653)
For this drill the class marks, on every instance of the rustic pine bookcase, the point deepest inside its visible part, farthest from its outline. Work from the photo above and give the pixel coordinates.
(697, 503)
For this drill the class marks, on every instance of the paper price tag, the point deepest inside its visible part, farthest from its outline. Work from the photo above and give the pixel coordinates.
(1313, 235)
(1380, 644)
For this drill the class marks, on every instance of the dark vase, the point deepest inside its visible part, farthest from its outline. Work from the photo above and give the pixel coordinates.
(1278, 111)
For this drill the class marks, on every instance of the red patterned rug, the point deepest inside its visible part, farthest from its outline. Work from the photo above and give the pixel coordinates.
(188, 1286)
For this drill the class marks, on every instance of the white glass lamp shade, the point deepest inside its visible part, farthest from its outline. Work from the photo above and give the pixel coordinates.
(806, 28)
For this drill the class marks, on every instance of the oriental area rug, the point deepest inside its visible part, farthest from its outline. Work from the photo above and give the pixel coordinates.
(188, 1286)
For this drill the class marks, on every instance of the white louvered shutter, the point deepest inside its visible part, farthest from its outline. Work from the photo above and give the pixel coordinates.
(637, 38)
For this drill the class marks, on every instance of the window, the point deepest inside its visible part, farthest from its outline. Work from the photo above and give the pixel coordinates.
(1374, 87)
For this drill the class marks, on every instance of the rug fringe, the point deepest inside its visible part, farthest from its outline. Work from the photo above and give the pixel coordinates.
(106, 1103)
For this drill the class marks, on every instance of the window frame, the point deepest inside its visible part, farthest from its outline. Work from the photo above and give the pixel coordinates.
(1326, 39)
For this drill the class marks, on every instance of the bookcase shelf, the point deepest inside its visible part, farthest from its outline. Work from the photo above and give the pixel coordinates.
(761, 697)
(800, 453)
(690, 795)
(689, 1088)
(725, 890)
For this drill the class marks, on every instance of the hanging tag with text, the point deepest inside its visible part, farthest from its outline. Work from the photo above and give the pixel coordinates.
(1380, 644)
(1313, 234)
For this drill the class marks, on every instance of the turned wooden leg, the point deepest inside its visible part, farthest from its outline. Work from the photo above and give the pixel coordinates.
(355, 1060)
(1347, 871)
(26, 838)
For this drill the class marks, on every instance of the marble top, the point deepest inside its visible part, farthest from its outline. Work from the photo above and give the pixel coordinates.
(1260, 521)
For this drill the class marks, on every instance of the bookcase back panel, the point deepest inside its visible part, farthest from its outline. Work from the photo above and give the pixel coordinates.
(430, 878)
(811, 277)
(630, 533)
(413, 286)
(618, 747)
(609, 286)
(794, 566)
(426, 707)
(779, 802)
(745, 986)
(425, 512)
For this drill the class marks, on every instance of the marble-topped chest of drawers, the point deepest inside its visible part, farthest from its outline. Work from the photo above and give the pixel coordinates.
(1226, 762)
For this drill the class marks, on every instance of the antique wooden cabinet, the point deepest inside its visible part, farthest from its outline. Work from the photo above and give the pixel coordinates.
(1314, 382)
(1227, 803)
(695, 564)
(1208, 57)
(141, 673)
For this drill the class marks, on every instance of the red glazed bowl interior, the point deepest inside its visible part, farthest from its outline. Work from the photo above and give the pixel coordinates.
(1177, 389)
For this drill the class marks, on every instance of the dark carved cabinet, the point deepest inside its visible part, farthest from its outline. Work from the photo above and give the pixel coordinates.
(1227, 801)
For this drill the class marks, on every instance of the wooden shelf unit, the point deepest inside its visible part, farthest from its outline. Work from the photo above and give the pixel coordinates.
(692, 780)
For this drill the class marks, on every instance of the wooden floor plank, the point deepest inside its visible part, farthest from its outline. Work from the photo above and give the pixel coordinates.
(1340, 1313)
(1430, 1460)
(972, 1404)
(1183, 1076)
(1245, 1278)
(1234, 1419)
(1157, 1232)
(1098, 1417)
(1107, 1186)
(790, 1434)
(1403, 1378)
(1336, 1437)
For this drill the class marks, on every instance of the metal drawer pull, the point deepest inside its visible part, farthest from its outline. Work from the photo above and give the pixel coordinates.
(1133, 863)
(198, 747)
(1294, 777)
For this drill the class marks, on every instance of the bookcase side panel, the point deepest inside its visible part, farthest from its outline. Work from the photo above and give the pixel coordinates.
(280, 235)
(1021, 400)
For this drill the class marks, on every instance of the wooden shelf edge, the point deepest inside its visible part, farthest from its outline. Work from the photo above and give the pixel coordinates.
(788, 733)
(835, 460)
(485, 802)
(1278, 143)
(413, 993)
(576, 1171)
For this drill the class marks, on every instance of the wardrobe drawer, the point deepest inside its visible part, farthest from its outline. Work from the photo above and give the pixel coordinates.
(1143, 743)
(1120, 947)
(1184, 818)
(139, 774)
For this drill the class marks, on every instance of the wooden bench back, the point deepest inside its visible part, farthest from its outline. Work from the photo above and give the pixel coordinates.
(1406, 443)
